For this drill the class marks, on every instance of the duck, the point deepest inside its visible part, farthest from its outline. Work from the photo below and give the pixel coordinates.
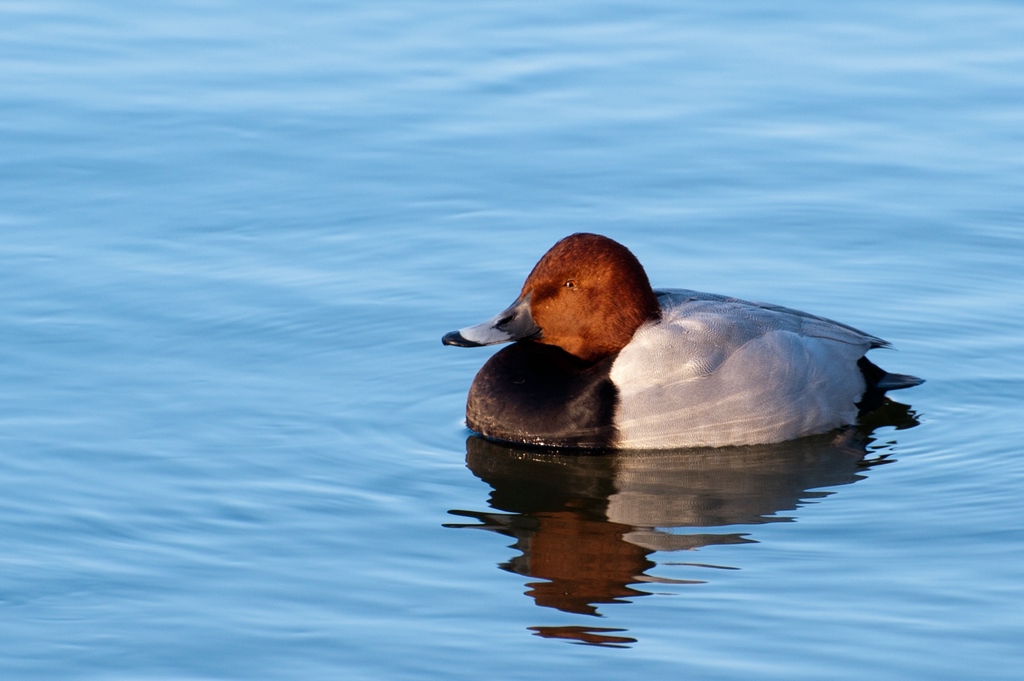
(599, 359)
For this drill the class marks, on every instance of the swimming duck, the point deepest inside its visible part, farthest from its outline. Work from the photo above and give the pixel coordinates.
(600, 359)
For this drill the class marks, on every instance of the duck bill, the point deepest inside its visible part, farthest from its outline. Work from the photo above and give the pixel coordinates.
(512, 324)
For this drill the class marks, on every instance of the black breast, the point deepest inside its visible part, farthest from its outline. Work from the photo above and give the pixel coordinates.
(539, 394)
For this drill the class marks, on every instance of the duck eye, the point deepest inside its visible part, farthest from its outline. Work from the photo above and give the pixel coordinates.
(571, 283)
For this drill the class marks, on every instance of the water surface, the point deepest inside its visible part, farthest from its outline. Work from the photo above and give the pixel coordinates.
(231, 444)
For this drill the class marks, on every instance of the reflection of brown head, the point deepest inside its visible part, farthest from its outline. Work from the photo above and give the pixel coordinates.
(595, 636)
(585, 560)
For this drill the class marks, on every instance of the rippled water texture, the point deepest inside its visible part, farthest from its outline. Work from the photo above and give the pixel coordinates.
(231, 443)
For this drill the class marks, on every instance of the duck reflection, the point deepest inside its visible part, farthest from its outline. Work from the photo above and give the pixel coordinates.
(586, 525)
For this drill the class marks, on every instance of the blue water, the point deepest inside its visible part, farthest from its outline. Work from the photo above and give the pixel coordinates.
(231, 443)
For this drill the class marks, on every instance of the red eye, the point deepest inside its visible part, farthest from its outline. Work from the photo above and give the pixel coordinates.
(571, 283)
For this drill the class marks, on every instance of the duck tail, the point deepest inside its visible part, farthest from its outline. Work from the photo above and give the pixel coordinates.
(879, 381)
(898, 381)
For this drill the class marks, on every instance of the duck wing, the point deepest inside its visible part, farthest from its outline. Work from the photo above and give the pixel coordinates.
(716, 370)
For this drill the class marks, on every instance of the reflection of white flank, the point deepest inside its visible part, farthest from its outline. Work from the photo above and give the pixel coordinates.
(703, 491)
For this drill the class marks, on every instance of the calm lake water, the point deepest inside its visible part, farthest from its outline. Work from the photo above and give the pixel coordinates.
(231, 443)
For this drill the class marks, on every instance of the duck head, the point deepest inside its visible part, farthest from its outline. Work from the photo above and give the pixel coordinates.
(588, 295)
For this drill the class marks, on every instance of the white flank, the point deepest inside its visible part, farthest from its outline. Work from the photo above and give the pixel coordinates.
(717, 371)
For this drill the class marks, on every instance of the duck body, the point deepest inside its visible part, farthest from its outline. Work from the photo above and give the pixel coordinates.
(670, 368)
